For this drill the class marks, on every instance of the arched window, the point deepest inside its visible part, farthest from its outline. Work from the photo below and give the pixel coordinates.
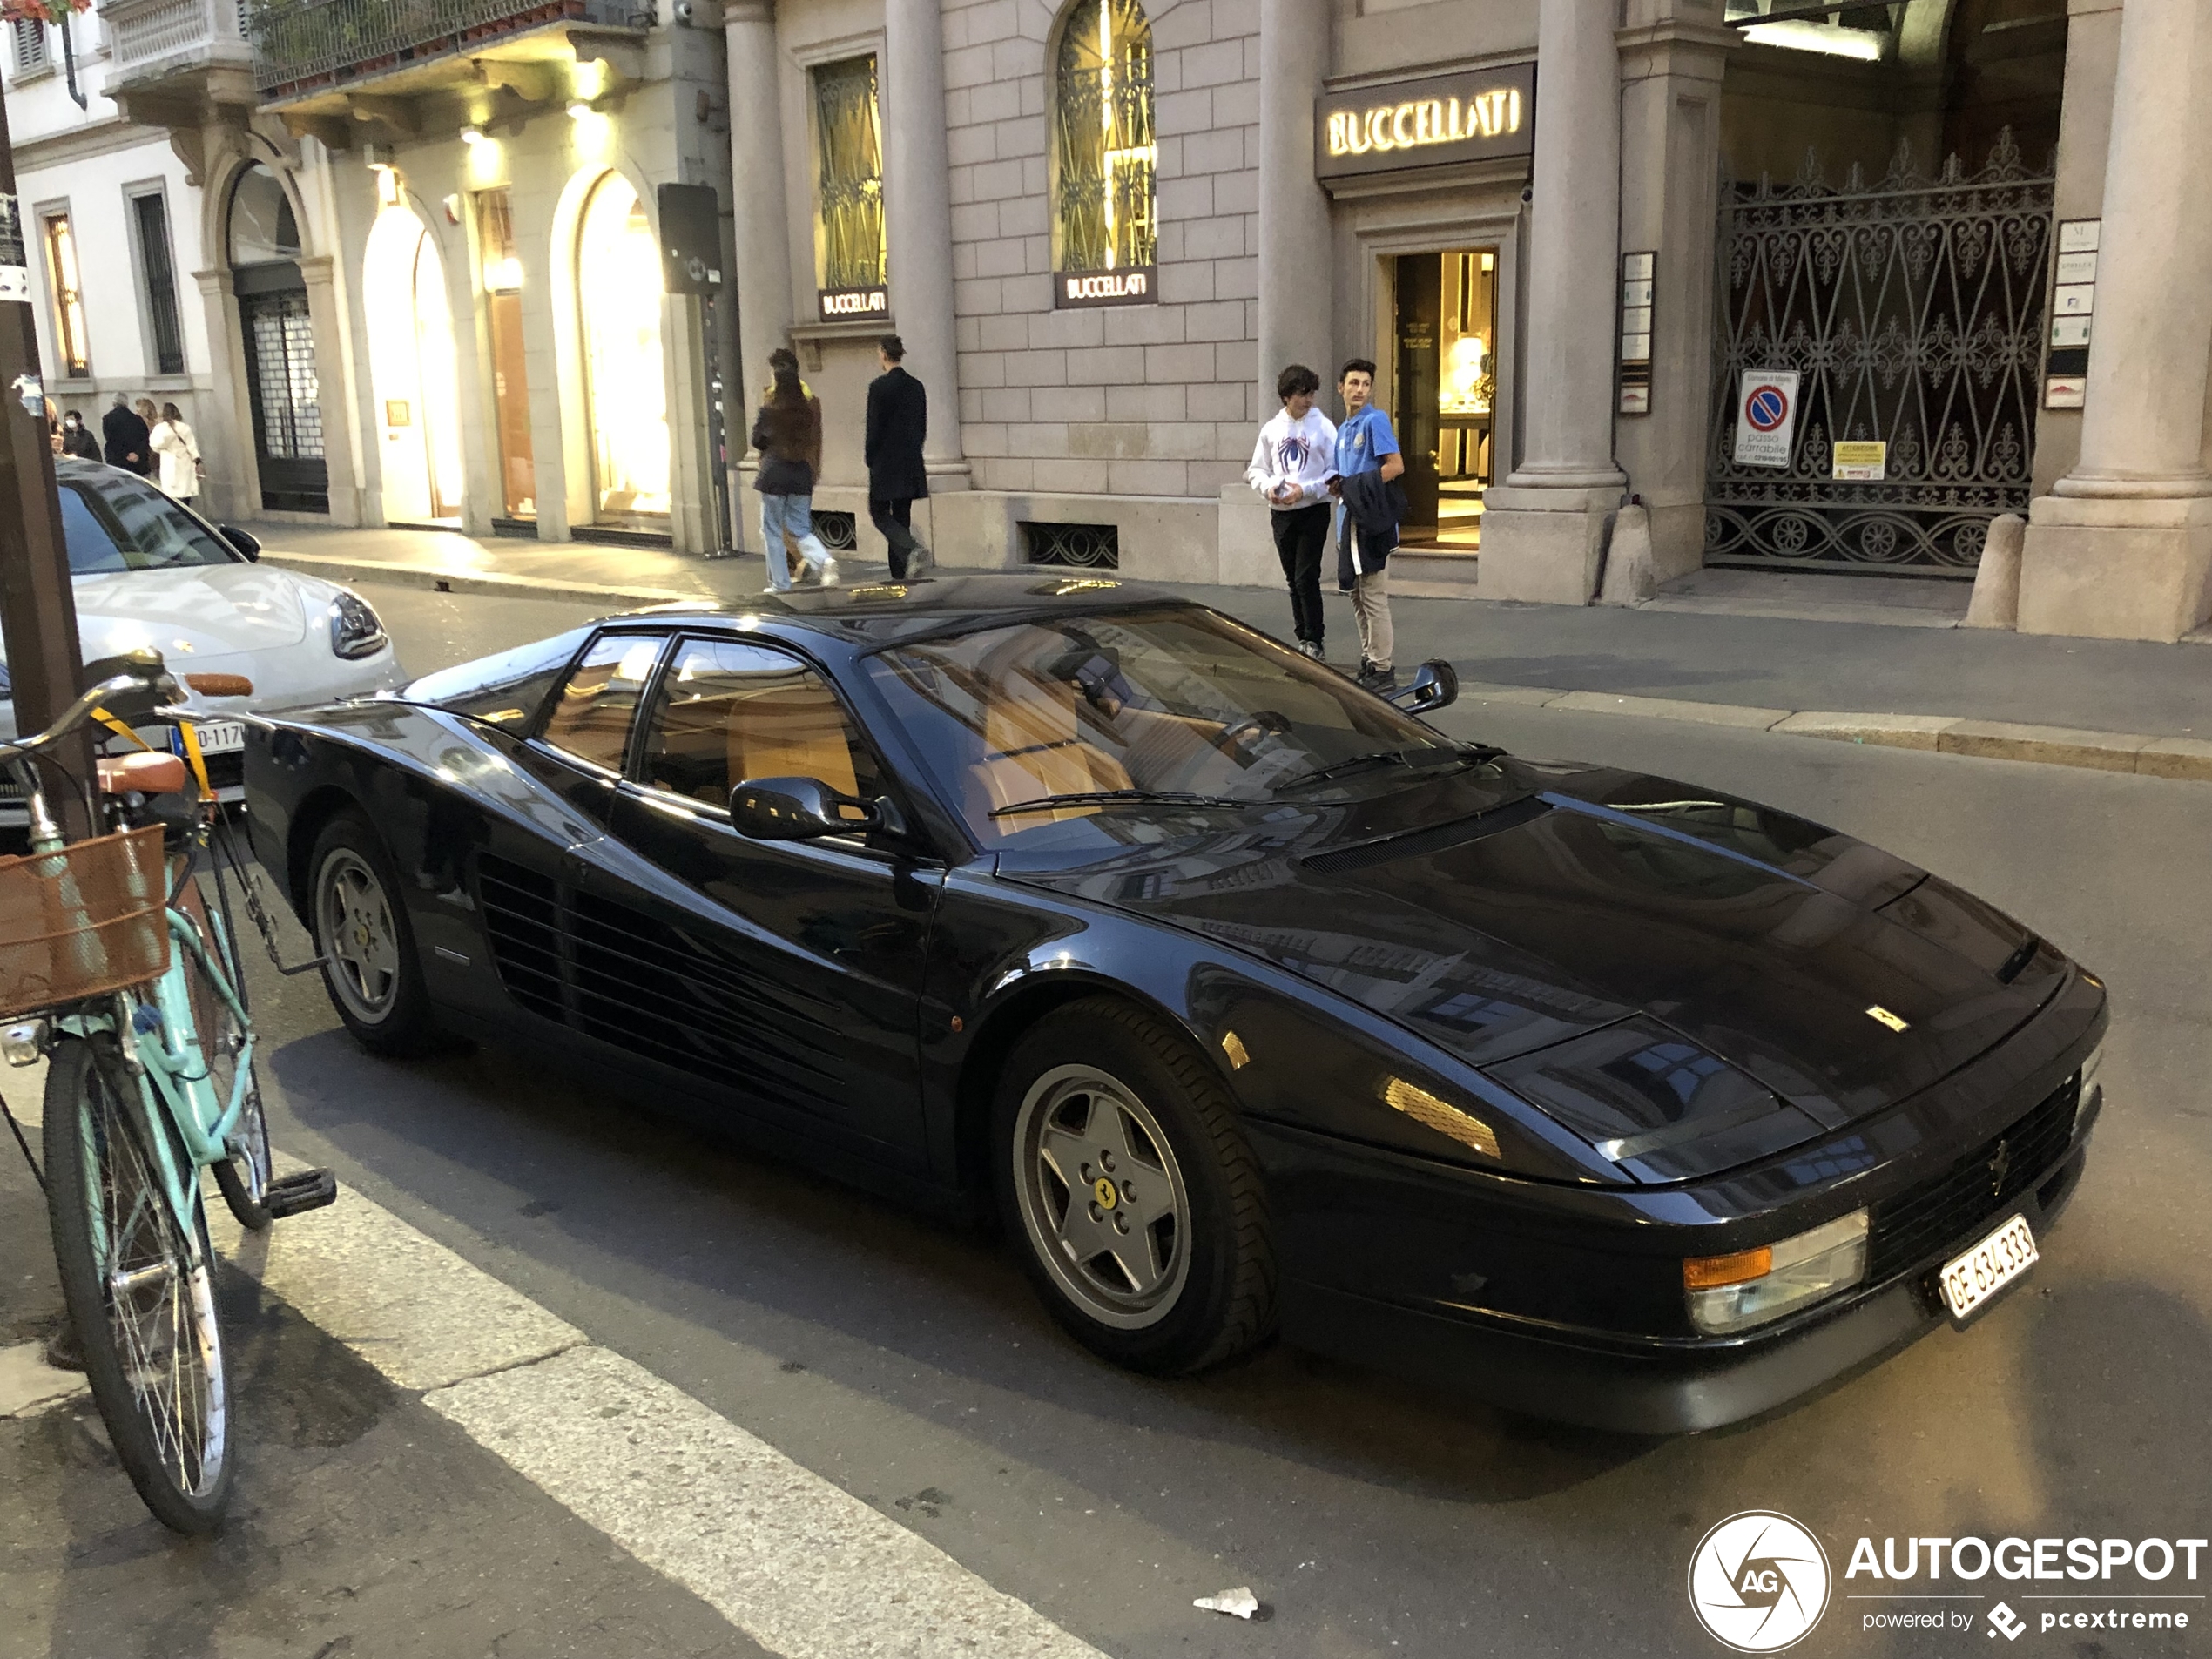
(618, 288)
(1105, 220)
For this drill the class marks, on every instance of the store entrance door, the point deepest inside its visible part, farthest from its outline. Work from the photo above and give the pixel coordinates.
(1445, 383)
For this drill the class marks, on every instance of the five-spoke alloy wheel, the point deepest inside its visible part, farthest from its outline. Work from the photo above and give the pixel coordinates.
(369, 964)
(1124, 1177)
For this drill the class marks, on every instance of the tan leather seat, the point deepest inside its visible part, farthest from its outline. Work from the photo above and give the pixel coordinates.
(147, 773)
(1035, 747)
(794, 729)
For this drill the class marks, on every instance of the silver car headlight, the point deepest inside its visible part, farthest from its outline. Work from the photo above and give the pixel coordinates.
(1752, 1287)
(355, 630)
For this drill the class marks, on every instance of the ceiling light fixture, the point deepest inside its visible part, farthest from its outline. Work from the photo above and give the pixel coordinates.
(472, 135)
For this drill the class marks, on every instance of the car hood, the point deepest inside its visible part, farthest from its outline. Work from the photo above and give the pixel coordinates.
(190, 615)
(1523, 910)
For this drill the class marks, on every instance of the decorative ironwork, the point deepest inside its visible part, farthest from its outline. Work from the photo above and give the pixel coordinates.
(840, 532)
(1085, 547)
(1913, 312)
(303, 46)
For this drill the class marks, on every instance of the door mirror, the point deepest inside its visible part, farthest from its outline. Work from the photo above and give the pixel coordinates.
(804, 809)
(1436, 686)
(248, 546)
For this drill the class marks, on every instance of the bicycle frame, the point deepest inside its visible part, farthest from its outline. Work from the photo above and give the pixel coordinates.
(166, 1058)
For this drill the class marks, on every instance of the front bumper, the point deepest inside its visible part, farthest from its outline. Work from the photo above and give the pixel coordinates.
(1634, 1387)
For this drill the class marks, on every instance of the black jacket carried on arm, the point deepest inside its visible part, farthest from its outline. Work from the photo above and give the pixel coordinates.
(898, 421)
(127, 437)
(1376, 508)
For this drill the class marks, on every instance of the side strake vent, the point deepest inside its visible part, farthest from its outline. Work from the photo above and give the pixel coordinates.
(1419, 843)
(657, 990)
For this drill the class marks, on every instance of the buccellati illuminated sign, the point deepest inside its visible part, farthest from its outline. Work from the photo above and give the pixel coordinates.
(1471, 115)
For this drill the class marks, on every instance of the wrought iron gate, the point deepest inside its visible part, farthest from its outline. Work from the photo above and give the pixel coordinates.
(1913, 314)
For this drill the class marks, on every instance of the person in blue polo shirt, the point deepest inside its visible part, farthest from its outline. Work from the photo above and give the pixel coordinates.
(1368, 463)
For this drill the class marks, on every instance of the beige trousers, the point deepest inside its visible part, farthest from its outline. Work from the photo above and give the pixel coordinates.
(1370, 610)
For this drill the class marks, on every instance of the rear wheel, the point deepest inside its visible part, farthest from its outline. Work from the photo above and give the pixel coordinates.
(1126, 1181)
(140, 1295)
(370, 968)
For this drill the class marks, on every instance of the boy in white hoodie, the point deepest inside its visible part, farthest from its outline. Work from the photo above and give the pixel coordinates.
(1291, 466)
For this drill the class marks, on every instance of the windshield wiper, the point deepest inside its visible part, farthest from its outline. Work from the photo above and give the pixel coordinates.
(1108, 797)
(1465, 754)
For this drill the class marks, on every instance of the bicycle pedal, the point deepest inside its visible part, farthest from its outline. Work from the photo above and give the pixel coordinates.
(296, 1194)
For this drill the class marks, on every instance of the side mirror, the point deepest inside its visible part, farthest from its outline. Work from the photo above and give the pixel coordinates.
(248, 545)
(1436, 686)
(804, 809)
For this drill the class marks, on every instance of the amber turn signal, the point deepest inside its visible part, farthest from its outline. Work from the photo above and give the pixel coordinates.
(1706, 1273)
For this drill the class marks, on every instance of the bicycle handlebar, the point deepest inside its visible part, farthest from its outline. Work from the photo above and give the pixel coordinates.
(109, 689)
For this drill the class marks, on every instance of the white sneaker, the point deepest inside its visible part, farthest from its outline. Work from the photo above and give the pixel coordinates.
(829, 573)
(1310, 649)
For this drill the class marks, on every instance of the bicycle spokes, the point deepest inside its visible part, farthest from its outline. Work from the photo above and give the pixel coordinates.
(160, 1302)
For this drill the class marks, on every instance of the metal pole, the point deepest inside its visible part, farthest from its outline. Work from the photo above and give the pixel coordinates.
(38, 606)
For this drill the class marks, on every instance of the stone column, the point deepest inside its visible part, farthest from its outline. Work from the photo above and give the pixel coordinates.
(327, 318)
(1672, 58)
(234, 487)
(1295, 319)
(917, 205)
(762, 227)
(2122, 546)
(1543, 531)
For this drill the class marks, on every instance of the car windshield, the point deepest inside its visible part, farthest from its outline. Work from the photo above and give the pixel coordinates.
(505, 689)
(111, 522)
(1162, 708)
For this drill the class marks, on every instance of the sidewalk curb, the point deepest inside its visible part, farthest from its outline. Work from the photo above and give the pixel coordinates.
(432, 580)
(2148, 756)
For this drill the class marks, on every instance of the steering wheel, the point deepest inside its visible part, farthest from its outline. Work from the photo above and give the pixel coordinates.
(1229, 738)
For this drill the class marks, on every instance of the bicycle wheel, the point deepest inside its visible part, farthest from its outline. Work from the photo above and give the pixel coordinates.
(144, 1315)
(245, 1175)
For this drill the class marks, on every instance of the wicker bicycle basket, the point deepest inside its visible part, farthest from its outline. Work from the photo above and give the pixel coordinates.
(82, 921)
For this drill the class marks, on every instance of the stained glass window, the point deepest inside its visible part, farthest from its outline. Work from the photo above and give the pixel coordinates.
(848, 143)
(1105, 218)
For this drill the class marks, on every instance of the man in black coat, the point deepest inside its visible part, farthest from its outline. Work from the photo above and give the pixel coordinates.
(898, 421)
(128, 438)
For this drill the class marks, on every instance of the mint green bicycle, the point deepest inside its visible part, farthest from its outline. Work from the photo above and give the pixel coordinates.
(116, 969)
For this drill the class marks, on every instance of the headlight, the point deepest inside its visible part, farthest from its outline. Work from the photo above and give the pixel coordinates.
(2090, 1087)
(355, 630)
(1731, 1293)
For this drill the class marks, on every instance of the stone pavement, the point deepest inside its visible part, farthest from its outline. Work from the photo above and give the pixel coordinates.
(1783, 643)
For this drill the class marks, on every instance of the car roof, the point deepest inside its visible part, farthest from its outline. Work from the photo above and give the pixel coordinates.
(887, 613)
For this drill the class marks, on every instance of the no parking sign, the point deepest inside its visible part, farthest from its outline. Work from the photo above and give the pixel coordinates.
(1766, 417)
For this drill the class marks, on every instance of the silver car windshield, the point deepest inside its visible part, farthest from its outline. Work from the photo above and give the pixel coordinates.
(1167, 708)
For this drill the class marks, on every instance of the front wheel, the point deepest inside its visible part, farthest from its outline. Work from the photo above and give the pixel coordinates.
(369, 965)
(139, 1289)
(245, 1175)
(1126, 1181)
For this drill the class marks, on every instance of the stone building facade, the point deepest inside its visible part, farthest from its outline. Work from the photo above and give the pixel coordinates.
(1567, 309)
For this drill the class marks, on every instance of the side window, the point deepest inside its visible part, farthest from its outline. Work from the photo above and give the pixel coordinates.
(592, 713)
(728, 711)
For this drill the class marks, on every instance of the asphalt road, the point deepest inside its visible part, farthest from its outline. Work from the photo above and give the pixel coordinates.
(911, 1364)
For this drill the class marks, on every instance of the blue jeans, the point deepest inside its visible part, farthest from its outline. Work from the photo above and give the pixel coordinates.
(791, 515)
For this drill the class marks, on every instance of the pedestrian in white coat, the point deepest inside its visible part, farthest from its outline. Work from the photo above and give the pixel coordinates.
(173, 442)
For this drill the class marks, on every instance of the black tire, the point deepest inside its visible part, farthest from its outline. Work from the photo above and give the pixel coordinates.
(171, 1427)
(1188, 1282)
(388, 1009)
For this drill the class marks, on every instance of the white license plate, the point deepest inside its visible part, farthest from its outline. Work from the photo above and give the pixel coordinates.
(1971, 1279)
(217, 737)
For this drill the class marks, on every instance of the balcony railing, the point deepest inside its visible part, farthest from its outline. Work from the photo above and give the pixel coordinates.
(147, 38)
(301, 46)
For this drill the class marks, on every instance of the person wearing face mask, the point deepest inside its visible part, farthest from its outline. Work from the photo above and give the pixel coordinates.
(77, 439)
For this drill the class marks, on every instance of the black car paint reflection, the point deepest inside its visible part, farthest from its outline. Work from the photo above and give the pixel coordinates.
(1655, 998)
